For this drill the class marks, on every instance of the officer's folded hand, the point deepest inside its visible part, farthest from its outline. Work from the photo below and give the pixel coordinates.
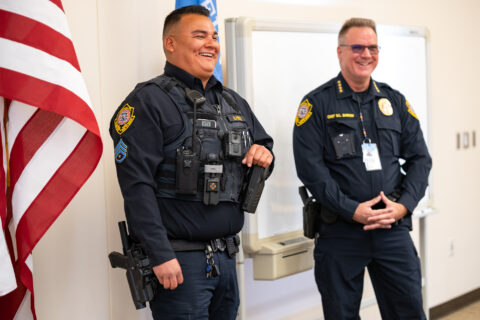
(258, 155)
(169, 274)
(383, 218)
(397, 210)
(374, 218)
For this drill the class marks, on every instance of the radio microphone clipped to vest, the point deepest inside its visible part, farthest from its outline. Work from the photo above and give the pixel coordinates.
(188, 160)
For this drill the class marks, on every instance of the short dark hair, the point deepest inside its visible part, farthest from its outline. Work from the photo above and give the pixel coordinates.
(355, 22)
(175, 16)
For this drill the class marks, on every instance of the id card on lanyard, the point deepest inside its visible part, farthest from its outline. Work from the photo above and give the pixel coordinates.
(371, 157)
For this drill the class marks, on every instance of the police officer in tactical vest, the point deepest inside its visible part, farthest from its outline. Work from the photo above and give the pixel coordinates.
(183, 146)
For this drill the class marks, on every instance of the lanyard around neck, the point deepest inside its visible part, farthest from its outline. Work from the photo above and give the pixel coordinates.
(360, 114)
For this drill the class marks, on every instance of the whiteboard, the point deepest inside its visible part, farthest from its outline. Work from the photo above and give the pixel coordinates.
(273, 64)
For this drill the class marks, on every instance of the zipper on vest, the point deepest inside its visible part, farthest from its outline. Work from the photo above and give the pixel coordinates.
(222, 120)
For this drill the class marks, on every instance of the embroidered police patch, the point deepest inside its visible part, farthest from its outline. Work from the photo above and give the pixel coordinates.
(385, 106)
(410, 110)
(124, 118)
(120, 151)
(304, 112)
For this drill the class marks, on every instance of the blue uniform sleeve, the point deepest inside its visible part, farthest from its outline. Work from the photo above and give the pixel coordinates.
(143, 146)
(418, 162)
(309, 136)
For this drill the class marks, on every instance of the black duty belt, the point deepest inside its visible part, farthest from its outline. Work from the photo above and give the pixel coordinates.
(183, 245)
(230, 243)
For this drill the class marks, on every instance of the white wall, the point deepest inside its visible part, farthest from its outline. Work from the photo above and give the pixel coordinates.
(118, 44)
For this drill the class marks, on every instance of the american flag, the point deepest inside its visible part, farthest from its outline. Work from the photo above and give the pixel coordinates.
(49, 136)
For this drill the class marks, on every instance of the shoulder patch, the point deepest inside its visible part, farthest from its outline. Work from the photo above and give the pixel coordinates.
(304, 112)
(124, 118)
(410, 110)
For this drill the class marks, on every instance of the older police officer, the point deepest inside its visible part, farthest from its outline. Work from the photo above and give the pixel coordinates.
(183, 144)
(348, 138)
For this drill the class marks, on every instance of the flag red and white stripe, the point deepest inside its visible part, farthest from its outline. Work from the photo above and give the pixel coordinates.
(50, 138)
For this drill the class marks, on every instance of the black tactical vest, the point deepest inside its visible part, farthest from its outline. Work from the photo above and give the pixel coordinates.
(213, 163)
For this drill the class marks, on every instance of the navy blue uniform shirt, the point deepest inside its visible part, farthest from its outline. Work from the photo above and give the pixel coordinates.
(337, 177)
(157, 121)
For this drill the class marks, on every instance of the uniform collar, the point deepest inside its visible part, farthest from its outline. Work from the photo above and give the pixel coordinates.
(189, 80)
(344, 91)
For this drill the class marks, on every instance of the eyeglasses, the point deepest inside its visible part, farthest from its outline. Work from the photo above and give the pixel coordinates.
(358, 48)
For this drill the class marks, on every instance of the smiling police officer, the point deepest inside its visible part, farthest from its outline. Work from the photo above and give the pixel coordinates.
(183, 145)
(349, 135)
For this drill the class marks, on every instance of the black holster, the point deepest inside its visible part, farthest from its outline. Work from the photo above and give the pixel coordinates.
(311, 213)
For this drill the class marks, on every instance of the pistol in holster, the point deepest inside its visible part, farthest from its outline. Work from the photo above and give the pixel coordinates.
(311, 213)
(141, 278)
(314, 214)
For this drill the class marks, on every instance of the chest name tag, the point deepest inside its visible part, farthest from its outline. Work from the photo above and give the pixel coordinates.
(371, 157)
(235, 118)
(206, 123)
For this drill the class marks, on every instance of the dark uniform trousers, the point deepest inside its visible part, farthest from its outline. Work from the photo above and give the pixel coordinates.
(343, 250)
(199, 297)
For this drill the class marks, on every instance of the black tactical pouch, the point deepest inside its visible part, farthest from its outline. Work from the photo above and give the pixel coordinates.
(188, 166)
(233, 244)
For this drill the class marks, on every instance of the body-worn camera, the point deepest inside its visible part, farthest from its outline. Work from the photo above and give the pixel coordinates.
(234, 145)
(213, 173)
(344, 145)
